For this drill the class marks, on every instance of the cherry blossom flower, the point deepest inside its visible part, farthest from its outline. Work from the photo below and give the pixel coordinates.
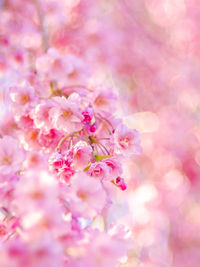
(22, 95)
(11, 156)
(65, 174)
(61, 68)
(115, 168)
(82, 153)
(40, 115)
(127, 141)
(65, 115)
(88, 199)
(99, 170)
(53, 64)
(104, 99)
(56, 161)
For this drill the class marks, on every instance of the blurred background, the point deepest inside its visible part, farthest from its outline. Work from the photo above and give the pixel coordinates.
(148, 50)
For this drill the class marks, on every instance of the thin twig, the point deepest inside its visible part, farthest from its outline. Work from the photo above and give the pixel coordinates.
(62, 141)
(105, 125)
(105, 148)
(103, 118)
(100, 148)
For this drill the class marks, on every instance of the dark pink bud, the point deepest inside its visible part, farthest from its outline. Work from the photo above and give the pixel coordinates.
(121, 183)
(93, 128)
(88, 114)
(118, 179)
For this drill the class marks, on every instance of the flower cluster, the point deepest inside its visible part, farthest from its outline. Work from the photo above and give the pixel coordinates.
(68, 179)
(61, 159)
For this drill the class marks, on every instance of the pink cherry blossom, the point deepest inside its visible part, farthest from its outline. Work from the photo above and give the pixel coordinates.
(115, 167)
(41, 114)
(104, 99)
(127, 140)
(29, 139)
(34, 160)
(56, 161)
(82, 154)
(53, 64)
(23, 94)
(65, 115)
(62, 68)
(11, 156)
(25, 121)
(99, 170)
(88, 199)
(39, 191)
(107, 253)
(65, 174)
(22, 97)
(49, 139)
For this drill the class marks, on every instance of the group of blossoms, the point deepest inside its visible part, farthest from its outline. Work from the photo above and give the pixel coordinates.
(61, 160)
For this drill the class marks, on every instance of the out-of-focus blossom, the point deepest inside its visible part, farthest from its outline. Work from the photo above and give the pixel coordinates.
(11, 156)
(88, 199)
(127, 141)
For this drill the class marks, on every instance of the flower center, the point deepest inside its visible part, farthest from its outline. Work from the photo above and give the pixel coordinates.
(57, 64)
(5, 160)
(24, 99)
(99, 101)
(37, 195)
(33, 135)
(82, 195)
(67, 113)
(73, 74)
